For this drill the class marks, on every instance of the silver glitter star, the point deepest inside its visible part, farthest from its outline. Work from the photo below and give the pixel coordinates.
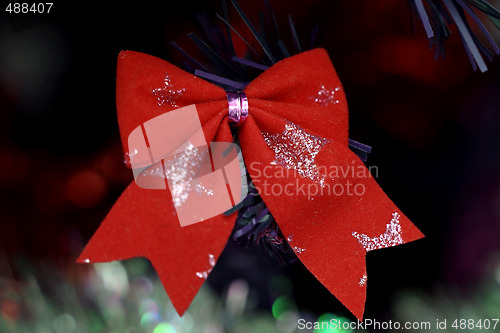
(391, 236)
(181, 170)
(296, 149)
(168, 94)
(325, 96)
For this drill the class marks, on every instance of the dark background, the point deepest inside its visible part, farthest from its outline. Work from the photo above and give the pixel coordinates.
(434, 126)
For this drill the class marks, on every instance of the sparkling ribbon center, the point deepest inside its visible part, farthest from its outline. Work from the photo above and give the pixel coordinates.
(238, 107)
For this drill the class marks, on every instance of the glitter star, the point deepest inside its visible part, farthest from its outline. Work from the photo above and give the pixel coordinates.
(296, 149)
(391, 236)
(325, 96)
(182, 170)
(168, 94)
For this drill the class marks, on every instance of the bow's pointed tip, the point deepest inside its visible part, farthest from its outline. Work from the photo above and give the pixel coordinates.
(87, 256)
(359, 312)
(82, 260)
(420, 235)
(411, 231)
(355, 305)
(181, 294)
(84, 257)
(180, 309)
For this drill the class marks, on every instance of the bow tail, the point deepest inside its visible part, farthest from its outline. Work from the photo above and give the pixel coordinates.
(143, 223)
(339, 223)
(332, 211)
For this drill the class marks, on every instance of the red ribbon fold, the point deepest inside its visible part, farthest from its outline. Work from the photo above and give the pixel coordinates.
(295, 138)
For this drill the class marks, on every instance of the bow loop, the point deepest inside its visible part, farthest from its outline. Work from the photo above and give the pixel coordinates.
(306, 90)
(147, 86)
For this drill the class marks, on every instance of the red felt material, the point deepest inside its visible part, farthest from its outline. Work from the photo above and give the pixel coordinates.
(143, 222)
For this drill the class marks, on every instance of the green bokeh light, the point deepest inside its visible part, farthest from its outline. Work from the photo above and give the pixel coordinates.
(164, 328)
(282, 305)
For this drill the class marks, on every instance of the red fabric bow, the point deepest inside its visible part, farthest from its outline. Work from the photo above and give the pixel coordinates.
(298, 98)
